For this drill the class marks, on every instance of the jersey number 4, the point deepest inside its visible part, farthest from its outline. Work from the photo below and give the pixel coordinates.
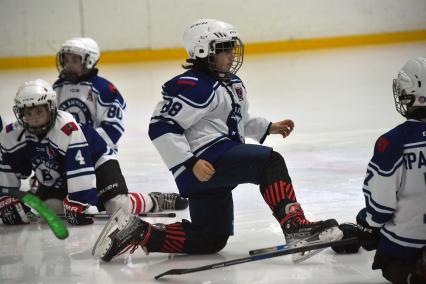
(79, 158)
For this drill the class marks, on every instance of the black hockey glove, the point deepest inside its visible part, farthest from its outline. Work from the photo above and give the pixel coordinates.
(13, 212)
(368, 236)
(349, 230)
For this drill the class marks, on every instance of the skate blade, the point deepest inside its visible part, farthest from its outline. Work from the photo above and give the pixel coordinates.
(298, 258)
(328, 235)
(103, 243)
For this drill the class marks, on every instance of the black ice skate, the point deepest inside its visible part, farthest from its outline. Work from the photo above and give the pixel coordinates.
(167, 201)
(299, 232)
(122, 233)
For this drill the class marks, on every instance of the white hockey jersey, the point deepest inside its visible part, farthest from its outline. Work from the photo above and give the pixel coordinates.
(95, 102)
(395, 189)
(202, 117)
(63, 160)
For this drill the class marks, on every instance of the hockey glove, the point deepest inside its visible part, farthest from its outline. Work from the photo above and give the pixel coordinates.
(75, 212)
(368, 236)
(349, 230)
(13, 212)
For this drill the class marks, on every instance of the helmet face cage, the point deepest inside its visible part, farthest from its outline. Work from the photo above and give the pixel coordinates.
(216, 47)
(402, 99)
(42, 129)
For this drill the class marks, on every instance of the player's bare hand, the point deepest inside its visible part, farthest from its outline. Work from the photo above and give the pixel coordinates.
(284, 127)
(203, 170)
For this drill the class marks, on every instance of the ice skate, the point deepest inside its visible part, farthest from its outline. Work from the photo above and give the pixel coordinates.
(122, 233)
(167, 201)
(300, 232)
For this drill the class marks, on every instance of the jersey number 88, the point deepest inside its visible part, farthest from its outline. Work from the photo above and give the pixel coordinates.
(172, 108)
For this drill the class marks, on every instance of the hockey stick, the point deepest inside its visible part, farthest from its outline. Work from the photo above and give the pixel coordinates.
(258, 257)
(57, 226)
(107, 216)
(303, 257)
(268, 249)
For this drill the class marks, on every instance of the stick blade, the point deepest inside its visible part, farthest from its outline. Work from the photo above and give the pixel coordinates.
(171, 272)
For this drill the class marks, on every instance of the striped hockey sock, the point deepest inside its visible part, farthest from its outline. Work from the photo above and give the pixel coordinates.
(141, 203)
(175, 238)
(278, 194)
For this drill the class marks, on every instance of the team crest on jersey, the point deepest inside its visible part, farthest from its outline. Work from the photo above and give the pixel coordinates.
(69, 128)
(48, 173)
(239, 92)
(382, 144)
(78, 109)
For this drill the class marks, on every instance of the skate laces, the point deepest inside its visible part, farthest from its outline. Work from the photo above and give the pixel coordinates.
(169, 200)
(135, 244)
(296, 216)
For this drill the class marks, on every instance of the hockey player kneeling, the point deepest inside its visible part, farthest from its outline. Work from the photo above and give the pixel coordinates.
(393, 221)
(199, 129)
(77, 172)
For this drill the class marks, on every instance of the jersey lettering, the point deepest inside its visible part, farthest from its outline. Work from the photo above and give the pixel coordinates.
(414, 160)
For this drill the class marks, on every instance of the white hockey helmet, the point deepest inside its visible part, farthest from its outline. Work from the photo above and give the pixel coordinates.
(206, 37)
(409, 89)
(85, 47)
(35, 93)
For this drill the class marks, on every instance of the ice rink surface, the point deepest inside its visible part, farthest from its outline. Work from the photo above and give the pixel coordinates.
(341, 101)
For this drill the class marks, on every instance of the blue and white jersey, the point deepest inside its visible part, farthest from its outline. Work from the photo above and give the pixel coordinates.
(95, 102)
(395, 189)
(65, 159)
(202, 117)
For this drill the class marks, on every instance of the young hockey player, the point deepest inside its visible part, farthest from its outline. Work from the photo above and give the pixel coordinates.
(74, 166)
(91, 99)
(394, 219)
(199, 129)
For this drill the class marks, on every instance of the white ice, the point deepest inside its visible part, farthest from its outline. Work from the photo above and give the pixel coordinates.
(341, 101)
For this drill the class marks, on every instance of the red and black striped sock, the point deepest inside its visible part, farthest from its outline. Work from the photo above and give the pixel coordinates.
(175, 238)
(278, 195)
